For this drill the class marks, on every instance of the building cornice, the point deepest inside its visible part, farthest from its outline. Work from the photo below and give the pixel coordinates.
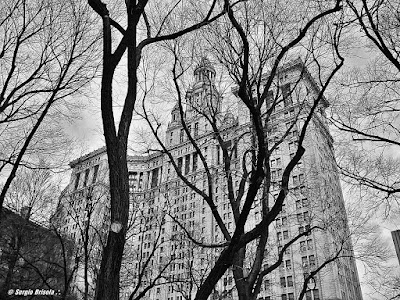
(77, 161)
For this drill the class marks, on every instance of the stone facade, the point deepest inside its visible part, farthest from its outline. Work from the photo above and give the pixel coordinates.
(165, 209)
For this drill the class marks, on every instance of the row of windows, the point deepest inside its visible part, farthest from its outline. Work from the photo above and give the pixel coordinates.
(303, 217)
(285, 235)
(286, 281)
(276, 162)
(286, 92)
(135, 181)
(310, 295)
(86, 177)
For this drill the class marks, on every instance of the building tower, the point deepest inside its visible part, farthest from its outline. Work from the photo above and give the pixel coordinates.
(163, 203)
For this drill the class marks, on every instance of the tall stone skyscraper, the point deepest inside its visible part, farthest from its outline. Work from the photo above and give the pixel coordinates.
(165, 210)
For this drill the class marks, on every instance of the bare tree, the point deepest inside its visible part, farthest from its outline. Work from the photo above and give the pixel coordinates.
(77, 217)
(33, 191)
(46, 51)
(144, 267)
(140, 32)
(368, 122)
(36, 255)
(256, 64)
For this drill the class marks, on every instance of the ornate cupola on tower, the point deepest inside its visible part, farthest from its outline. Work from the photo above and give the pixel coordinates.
(203, 97)
(204, 71)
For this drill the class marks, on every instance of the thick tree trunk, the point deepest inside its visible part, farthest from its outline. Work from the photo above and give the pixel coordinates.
(108, 279)
(107, 287)
(239, 275)
(219, 269)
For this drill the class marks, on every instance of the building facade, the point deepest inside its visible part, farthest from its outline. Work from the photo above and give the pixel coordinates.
(167, 208)
(33, 259)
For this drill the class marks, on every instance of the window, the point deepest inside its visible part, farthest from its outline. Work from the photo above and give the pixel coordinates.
(292, 146)
(78, 175)
(171, 135)
(182, 134)
(312, 260)
(301, 178)
(234, 149)
(298, 204)
(267, 284)
(284, 221)
(308, 295)
(196, 129)
(194, 162)
(304, 261)
(283, 283)
(218, 155)
(303, 246)
(269, 99)
(285, 235)
(273, 163)
(303, 190)
(154, 178)
(187, 164)
(288, 264)
(290, 281)
(180, 163)
(299, 218)
(316, 294)
(284, 297)
(309, 244)
(287, 99)
(95, 172)
(306, 216)
(86, 177)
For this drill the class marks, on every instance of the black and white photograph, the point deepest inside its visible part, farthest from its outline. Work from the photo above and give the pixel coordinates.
(200, 150)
